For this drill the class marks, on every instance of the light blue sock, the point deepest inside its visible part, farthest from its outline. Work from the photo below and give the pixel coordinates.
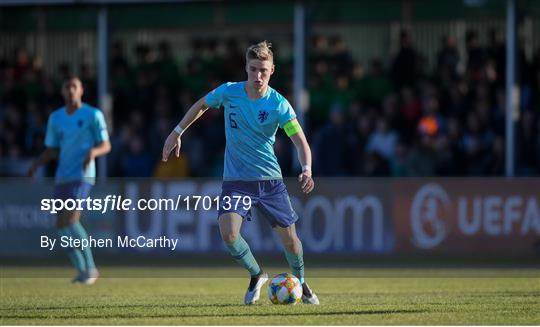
(240, 251)
(74, 255)
(78, 231)
(296, 263)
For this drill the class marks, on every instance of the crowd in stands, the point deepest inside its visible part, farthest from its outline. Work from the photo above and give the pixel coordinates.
(392, 117)
(409, 121)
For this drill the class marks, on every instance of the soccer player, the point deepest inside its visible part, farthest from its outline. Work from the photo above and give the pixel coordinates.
(76, 135)
(253, 112)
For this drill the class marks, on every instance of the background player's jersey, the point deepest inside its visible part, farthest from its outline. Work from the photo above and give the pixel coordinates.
(74, 135)
(250, 129)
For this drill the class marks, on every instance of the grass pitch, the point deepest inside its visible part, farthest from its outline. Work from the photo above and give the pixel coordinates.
(382, 297)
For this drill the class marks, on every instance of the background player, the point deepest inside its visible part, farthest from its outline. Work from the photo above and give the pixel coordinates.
(253, 112)
(76, 135)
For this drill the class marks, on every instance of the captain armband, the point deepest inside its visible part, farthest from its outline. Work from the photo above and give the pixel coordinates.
(292, 127)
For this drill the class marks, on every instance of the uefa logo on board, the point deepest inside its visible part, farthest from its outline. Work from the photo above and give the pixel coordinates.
(429, 207)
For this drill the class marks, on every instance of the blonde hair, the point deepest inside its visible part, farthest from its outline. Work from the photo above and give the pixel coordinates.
(260, 51)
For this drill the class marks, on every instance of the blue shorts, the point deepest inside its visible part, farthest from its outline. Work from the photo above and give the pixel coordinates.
(269, 197)
(72, 190)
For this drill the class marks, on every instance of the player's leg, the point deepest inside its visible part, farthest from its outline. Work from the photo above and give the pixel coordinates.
(74, 254)
(229, 228)
(69, 223)
(295, 257)
(276, 207)
(293, 250)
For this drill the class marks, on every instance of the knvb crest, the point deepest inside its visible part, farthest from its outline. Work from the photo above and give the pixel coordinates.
(263, 115)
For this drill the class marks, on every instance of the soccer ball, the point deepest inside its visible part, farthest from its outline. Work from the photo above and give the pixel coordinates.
(285, 289)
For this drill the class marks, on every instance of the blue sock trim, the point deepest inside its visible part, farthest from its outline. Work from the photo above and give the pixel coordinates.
(241, 255)
(296, 264)
(297, 267)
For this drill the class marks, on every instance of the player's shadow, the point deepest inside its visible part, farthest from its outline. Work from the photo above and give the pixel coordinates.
(125, 306)
(179, 315)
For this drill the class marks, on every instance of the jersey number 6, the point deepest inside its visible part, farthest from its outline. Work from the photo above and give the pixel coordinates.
(232, 121)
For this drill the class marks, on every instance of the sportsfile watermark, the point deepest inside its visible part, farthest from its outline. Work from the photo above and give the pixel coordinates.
(123, 241)
(121, 203)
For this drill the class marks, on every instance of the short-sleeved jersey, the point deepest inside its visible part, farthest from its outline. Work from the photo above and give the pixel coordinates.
(250, 130)
(74, 135)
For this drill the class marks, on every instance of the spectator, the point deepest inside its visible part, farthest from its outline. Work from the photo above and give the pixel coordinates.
(475, 143)
(167, 65)
(496, 51)
(411, 110)
(476, 57)
(422, 159)
(496, 159)
(526, 145)
(341, 58)
(398, 166)
(383, 141)
(137, 161)
(447, 61)
(375, 165)
(405, 65)
(375, 86)
(445, 124)
(331, 153)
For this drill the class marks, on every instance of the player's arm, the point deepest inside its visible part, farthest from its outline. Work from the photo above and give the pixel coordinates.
(46, 156)
(99, 150)
(173, 140)
(294, 131)
(102, 145)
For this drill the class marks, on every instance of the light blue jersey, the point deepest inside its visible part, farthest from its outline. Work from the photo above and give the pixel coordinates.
(74, 135)
(250, 130)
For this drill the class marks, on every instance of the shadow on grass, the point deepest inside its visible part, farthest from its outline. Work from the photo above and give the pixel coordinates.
(125, 306)
(217, 315)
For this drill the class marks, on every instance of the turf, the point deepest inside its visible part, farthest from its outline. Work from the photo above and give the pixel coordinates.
(431, 297)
